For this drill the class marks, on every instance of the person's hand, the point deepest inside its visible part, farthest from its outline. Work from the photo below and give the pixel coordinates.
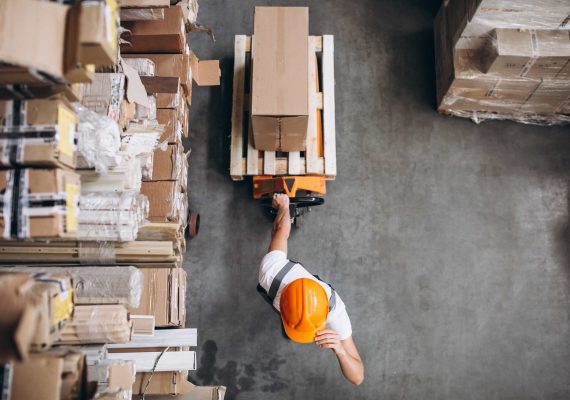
(329, 339)
(280, 201)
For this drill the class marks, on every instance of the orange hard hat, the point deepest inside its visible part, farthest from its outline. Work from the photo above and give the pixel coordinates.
(304, 308)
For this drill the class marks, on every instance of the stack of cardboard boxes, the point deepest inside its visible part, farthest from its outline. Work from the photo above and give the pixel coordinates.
(93, 172)
(504, 59)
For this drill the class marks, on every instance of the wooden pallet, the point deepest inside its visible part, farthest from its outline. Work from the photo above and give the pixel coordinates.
(246, 160)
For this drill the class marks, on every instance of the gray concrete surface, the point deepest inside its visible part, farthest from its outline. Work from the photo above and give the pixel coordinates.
(447, 240)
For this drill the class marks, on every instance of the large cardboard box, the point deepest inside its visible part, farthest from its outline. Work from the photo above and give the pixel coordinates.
(166, 203)
(39, 203)
(48, 140)
(532, 54)
(32, 34)
(167, 163)
(161, 36)
(280, 78)
(164, 295)
(170, 119)
(98, 33)
(33, 309)
(54, 375)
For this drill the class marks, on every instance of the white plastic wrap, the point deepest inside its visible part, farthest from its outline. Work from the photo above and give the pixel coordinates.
(146, 113)
(97, 285)
(142, 14)
(504, 60)
(98, 140)
(143, 66)
(97, 324)
(111, 216)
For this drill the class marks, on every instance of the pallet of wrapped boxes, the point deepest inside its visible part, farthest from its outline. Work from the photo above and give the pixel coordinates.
(504, 59)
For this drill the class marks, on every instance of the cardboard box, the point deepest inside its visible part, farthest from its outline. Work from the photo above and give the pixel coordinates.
(169, 65)
(32, 34)
(205, 72)
(105, 95)
(550, 97)
(280, 78)
(172, 125)
(163, 296)
(167, 164)
(167, 384)
(34, 308)
(49, 207)
(48, 140)
(165, 199)
(98, 33)
(533, 54)
(161, 36)
(57, 374)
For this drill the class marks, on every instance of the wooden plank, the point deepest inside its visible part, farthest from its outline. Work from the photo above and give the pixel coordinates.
(161, 84)
(236, 171)
(318, 42)
(311, 153)
(319, 100)
(248, 43)
(329, 124)
(162, 338)
(282, 166)
(252, 152)
(143, 324)
(170, 360)
(269, 162)
(294, 167)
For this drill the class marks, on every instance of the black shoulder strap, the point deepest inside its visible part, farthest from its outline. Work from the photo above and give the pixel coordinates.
(278, 280)
(332, 299)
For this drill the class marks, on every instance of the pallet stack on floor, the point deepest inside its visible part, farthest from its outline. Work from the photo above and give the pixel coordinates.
(504, 59)
(93, 176)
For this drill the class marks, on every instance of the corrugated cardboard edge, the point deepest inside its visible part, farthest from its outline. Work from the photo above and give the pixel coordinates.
(136, 91)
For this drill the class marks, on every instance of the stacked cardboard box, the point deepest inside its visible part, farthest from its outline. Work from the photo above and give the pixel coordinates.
(503, 60)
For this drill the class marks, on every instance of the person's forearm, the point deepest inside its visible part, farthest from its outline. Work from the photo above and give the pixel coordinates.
(351, 367)
(281, 230)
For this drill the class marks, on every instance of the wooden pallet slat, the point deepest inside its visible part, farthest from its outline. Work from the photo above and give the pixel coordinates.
(236, 170)
(329, 125)
(269, 162)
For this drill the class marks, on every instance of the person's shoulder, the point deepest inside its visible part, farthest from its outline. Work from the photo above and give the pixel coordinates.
(275, 258)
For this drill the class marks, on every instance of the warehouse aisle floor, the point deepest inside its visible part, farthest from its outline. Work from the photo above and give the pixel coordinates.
(448, 241)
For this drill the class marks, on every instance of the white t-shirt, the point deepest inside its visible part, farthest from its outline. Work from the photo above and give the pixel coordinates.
(270, 266)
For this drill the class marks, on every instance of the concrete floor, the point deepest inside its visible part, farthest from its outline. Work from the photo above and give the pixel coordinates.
(448, 241)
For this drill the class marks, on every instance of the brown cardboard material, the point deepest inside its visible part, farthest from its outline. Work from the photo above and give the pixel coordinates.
(56, 149)
(42, 220)
(105, 94)
(161, 36)
(59, 373)
(98, 33)
(531, 54)
(205, 72)
(166, 163)
(136, 92)
(173, 127)
(170, 65)
(280, 78)
(551, 96)
(164, 296)
(164, 385)
(165, 200)
(32, 34)
(34, 308)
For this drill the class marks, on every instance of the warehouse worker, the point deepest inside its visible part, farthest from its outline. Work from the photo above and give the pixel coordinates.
(310, 309)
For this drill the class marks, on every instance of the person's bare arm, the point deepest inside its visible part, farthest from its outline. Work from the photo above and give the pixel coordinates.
(346, 352)
(282, 223)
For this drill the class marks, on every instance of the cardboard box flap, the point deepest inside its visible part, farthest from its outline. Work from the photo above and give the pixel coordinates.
(136, 91)
(205, 72)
